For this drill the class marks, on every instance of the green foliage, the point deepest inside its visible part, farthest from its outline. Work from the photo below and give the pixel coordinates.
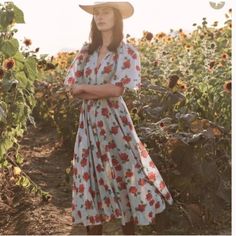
(18, 72)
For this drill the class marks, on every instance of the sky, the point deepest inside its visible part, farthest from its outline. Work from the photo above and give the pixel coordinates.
(58, 25)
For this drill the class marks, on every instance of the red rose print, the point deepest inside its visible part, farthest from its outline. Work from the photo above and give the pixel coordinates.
(133, 189)
(81, 125)
(144, 153)
(149, 196)
(120, 84)
(117, 212)
(101, 181)
(119, 179)
(124, 156)
(118, 168)
(152, 164)
(162, 185)
(129, 173)
(126, 80)
(88, 204)
(151, 202)
(150, 214)
(130, 51)
(157, 205)
(114, 104)
(152, 176)
(125, 120)
(126, 64)
(102, 132)
(141, 182)
(85, 152)
(167, 196)
(81, 188)
(104, 157)
(86, 176)
(107, 69)
(71, 80)
(73, 206)
(141, 207)
(112, 144)
(99, 168)
(114, 130)
(107, 201)
(84, 162)
(105, 112)
(100, 123)
(88, 72)
(127, 138)
(122, 185)
(137, 166)
(114, 162)
(79, 73)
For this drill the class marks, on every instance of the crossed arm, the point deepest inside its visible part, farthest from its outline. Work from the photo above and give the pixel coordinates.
(88, 91)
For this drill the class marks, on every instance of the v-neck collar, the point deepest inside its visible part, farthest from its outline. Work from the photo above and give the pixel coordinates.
(96, 59)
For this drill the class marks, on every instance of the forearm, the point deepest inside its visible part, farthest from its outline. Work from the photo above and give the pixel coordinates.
(87, 96)
(101, 91)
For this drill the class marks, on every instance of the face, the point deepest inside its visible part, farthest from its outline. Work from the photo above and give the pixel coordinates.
(104, 18)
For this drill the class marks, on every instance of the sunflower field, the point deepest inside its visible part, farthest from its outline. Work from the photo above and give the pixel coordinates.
(182, 113)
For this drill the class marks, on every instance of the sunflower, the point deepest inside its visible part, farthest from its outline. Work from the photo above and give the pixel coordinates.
(27, 42)
(173, 79)
(148, 36)
(228, 86)
(9, 63)
(224, 56)
(168, 39)
(213, 45)
(211, 64)
(160, 35)
(182, 86)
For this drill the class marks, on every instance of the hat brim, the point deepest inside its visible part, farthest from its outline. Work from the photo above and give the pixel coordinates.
(125, 8)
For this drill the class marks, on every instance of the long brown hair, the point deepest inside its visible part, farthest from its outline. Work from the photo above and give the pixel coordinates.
(96, 35)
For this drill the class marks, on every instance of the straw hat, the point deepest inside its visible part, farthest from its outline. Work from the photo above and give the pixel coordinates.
(125, 8)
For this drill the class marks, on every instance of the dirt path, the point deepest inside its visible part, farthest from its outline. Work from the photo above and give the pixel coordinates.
(45, 162)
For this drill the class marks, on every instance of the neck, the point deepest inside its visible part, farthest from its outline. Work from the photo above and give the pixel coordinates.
(106, 38)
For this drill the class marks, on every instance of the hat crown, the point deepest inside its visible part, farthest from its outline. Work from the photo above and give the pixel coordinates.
(126, 9)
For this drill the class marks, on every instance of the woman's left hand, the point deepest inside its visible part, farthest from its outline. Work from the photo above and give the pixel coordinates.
(76, 89)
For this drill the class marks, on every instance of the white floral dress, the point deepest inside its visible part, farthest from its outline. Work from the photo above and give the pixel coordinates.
(113, 174)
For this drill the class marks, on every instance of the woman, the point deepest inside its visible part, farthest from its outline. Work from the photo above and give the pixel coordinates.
(113, 174)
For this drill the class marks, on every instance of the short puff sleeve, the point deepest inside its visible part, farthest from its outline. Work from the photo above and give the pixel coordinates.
(128, 71)
(75, 73)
